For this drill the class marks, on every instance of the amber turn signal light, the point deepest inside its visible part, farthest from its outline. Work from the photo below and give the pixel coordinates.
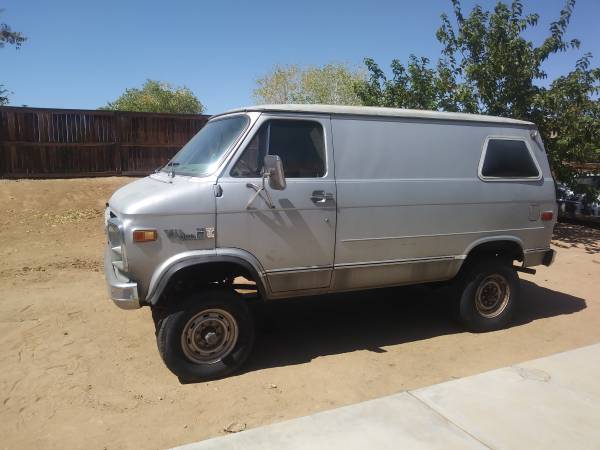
(144, 235)
(547, 215)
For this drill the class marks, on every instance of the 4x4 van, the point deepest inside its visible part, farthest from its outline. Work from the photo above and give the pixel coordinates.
(314, 199)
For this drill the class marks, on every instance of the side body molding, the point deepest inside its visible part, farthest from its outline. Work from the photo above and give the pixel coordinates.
(169, 267)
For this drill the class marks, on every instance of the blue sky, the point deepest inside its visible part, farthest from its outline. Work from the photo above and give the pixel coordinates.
(81, 54)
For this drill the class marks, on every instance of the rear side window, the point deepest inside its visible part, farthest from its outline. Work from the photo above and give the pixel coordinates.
(299, 144)
(508, 158)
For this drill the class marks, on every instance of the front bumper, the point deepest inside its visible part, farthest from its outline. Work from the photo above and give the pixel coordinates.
(122, 291)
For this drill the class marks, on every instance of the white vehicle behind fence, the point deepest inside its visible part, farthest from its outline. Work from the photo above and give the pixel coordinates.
(314, 199)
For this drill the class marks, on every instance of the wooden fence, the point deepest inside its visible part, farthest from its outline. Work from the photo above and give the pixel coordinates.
(60, 143)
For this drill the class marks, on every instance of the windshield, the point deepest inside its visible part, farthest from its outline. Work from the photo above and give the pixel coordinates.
(201, 154)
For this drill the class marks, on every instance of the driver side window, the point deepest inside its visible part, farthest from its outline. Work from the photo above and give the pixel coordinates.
(299, 143)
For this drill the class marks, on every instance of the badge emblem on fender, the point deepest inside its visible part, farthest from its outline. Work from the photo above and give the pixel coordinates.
(200, 234)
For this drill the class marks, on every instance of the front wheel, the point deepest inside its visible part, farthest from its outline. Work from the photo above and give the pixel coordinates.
(489, 298)
(210, 336)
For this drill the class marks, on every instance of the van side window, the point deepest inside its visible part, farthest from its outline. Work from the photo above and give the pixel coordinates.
(299, 143)
(508, 158)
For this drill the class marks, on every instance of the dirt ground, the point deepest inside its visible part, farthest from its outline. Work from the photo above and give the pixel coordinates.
(76, 372)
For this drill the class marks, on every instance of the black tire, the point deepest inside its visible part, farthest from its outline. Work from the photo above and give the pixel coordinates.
(489, 297)
(223, 306)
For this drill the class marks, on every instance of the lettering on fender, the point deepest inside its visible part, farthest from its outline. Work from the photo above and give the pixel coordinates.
(201, 233)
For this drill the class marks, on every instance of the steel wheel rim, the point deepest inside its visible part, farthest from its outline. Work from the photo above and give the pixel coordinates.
(492, 296)
(209, 336)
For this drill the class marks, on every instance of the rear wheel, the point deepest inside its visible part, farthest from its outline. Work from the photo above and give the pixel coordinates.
(489, 297)
(210, 336)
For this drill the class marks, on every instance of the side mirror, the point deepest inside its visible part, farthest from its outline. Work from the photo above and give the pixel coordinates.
(273, 168)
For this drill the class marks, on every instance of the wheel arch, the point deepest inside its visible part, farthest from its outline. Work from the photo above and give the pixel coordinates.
(510, 247)
(221, 259)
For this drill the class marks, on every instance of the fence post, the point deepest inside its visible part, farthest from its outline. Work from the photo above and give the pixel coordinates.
(2, 158)
(117, 153)
(4, 133)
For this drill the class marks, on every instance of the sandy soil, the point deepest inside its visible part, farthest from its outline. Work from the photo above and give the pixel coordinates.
(76, 372)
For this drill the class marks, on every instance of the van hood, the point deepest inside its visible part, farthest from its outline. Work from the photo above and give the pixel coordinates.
(161, 195)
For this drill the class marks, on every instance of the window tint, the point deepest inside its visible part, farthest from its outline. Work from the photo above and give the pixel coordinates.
(508, 158)
(299, 144)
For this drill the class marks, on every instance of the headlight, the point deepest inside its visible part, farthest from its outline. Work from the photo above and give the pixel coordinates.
(115, 236)
(116, 241)
(106, 216)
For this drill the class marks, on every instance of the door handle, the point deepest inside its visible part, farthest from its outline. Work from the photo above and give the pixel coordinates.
(321, 196)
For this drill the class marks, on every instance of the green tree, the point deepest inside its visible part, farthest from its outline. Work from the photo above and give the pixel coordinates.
(10, 37)
(490, 57)
(281, 85)
(3, 95)
(413, 86)
(158, 97)
(329, 84)
(488, 66)
(569, 119)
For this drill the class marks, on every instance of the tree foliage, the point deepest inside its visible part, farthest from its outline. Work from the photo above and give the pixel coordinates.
(569, 119)
(488, 66)
(158, 97)
(415, 86)
(3, 95)
(330, 84)
(10, 37)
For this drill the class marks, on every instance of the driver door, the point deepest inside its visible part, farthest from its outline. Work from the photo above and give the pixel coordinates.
(293, 238)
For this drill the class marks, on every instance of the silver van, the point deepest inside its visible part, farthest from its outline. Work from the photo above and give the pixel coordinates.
(313, 199)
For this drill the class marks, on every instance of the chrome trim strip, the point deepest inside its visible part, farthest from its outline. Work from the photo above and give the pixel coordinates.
(279, 209)
(416, 180)
(365, 264)
(299, 269)
(438, 235)
(397, 261)
(402, 180)
(406, 205)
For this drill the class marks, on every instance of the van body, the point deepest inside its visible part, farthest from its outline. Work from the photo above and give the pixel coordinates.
(315, 199)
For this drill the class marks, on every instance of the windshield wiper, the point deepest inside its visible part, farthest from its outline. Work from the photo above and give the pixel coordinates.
(172, 165)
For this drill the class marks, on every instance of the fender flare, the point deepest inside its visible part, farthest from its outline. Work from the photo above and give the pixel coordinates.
(487, 240)
(163, 274)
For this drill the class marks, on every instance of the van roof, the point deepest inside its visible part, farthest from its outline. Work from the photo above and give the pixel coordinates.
(377, 112)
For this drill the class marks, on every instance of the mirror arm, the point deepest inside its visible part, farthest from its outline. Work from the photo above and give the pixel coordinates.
(264, 188)
(259, 189)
